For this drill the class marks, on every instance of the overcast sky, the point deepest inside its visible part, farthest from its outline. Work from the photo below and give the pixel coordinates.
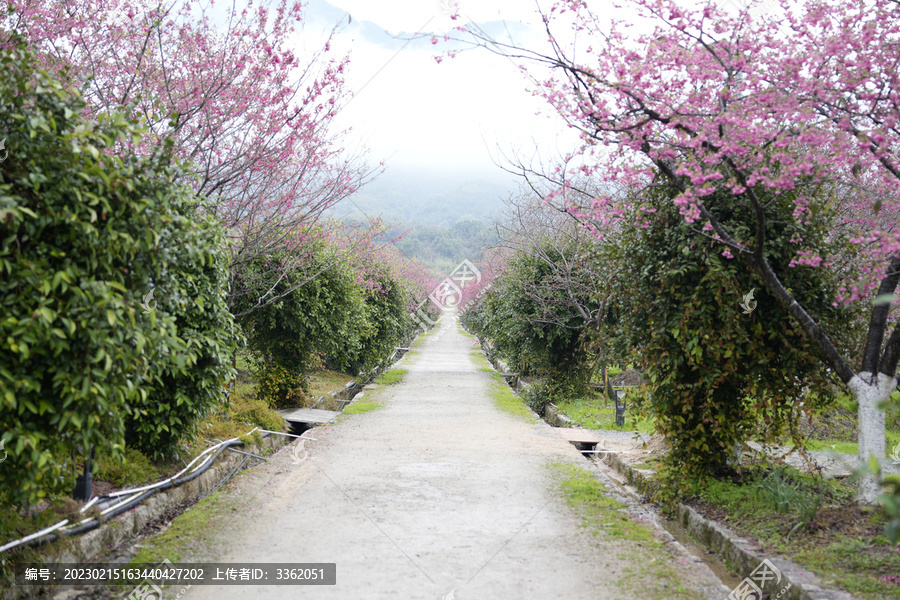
(457, 115)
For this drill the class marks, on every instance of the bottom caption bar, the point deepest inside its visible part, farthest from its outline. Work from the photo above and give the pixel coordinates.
(169, 573)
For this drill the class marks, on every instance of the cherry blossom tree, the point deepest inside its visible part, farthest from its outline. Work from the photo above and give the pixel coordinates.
(250, 116)
(568, 293)
(757, 104)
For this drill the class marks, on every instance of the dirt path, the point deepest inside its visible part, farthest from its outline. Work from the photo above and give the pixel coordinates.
(436, 495)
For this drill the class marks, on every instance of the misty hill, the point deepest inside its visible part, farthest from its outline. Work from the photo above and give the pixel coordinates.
(442, 249)
(421, 197)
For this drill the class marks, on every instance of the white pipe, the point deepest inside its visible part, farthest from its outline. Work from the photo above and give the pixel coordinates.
(50, 529)
(206, 455)
(131, 493)
(290, 435)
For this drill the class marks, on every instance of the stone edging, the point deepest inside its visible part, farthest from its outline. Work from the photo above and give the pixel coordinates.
(556, 417)
(739, 554)
(114, 532)
(88, 546)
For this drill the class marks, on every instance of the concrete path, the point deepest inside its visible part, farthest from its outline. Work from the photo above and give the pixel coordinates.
(437, 495)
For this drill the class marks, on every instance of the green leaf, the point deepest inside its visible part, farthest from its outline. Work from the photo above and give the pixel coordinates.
(884, 299)
(47, 314)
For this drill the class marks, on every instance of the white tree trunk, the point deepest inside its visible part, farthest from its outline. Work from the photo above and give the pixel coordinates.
(871, 426)
(735, 460)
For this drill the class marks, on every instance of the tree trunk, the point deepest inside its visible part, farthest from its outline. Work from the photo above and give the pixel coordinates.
(607, 387)
(871, 426)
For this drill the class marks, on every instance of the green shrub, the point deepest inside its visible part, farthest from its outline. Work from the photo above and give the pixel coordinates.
(256, 413)
(85, 235)
(718, 376)
(386, 311)
(326, 314)
(279, 387)
(532, 338)
(321, 310)
(186, 381)
(537, 396)
(129, 469)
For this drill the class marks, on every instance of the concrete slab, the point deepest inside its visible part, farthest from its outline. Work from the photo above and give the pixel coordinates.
(312, 416)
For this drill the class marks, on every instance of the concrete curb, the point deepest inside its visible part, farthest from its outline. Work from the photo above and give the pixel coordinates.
(557, 418)
(739, 554)
(88, 546)
(114, 532)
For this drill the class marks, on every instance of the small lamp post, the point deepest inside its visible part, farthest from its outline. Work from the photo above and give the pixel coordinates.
(620, 408)
(85, 481)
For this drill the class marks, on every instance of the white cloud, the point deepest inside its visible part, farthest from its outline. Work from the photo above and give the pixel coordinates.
(397, 16)
(411, 110)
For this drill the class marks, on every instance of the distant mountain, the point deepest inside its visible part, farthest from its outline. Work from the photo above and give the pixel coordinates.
(421, 197)
(441, 249)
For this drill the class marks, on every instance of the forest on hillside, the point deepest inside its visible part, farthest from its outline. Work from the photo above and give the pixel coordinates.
(439, 248)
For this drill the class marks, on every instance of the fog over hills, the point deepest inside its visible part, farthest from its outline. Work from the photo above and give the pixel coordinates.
(421, 196)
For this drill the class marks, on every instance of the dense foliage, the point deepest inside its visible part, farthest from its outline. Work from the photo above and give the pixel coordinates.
(123, 269)
(718, 376)
(387, 300)
(186, 382)
(343, 314)
(755, 101)
(85, 235)
(525, 317)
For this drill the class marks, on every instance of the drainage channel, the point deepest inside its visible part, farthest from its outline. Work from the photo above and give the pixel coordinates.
(623, 493)
(726, 575)
(619, 489)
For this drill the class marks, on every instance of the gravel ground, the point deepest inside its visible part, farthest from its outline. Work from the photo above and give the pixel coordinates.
(436, 495)
(622, 437)
(833, 464)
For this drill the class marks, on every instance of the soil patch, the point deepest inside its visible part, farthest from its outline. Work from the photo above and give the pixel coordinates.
(627, 377)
